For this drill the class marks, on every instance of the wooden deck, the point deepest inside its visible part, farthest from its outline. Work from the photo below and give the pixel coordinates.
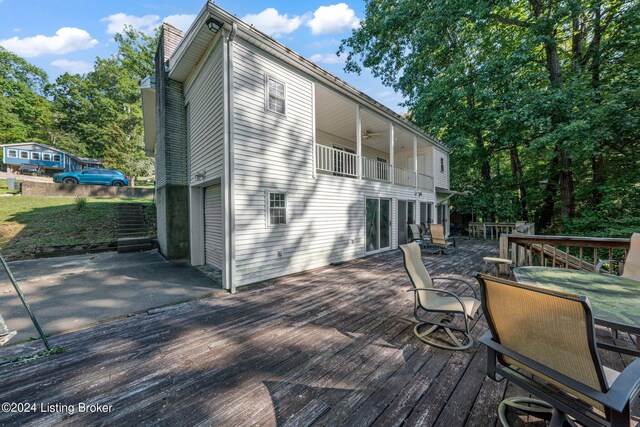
(333, 346)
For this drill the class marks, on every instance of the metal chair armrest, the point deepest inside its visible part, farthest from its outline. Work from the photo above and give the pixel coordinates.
(464, 309)
(603, 262)
(627, 386)
(453, 279)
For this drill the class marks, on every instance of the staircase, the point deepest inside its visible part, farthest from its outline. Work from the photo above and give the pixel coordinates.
(132, 230)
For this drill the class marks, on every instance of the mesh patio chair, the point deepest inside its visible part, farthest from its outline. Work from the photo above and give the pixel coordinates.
(544, 342)
(5, 333)
(444, 302)
(438, 239)
(631, 267)
(416, 235)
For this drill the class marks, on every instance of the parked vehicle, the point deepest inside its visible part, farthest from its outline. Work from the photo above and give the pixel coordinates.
(28, 169)
(93, 176)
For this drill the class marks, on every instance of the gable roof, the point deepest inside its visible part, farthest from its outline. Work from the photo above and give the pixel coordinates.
(198, 38)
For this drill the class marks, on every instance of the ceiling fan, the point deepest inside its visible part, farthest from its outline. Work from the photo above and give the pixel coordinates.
(368, 134)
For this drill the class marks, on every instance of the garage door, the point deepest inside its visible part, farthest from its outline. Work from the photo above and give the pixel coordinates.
(213, 240)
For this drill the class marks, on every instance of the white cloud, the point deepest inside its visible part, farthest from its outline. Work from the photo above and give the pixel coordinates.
(73, 67)
(117, 22)
(333, 19)
(320, 44)
(182, 22)
(326, 58)
(65, 41)
(272, 23)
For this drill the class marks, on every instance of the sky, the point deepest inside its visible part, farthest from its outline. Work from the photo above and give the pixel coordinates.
(67, 35)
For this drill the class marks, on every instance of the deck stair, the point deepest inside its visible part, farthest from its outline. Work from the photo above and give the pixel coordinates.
(132, 229)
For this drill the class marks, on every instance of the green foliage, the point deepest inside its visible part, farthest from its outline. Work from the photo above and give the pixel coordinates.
(80, 203)
(97, 114)
(481, 76)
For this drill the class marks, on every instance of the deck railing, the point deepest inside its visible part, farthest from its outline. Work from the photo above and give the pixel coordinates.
(404, 177)
(337, 162)
(374, 169)
(493, 230)
(425, 182)
(578, 253)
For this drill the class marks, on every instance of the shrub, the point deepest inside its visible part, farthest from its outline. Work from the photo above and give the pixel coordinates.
(80, 202)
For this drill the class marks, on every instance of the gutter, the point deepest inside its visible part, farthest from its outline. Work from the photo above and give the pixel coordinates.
(229, 196)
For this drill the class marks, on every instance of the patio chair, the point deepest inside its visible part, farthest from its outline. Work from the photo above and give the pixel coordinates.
(631, 266)
(544, 342)
(416, 235)
(425, 232)
(441, 301)
(438, 239)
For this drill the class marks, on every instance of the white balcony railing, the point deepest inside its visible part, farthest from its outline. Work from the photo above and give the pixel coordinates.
(335, 161)
(404, 177)
(425, 182)
(374, 169)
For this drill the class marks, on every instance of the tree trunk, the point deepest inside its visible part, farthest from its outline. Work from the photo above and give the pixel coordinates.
(516, 170)
(597, 160)
(545, 215)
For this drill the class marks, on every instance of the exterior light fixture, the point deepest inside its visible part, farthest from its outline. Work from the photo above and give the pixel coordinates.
(213, 25)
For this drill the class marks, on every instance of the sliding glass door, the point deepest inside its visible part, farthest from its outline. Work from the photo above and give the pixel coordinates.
(378, 220)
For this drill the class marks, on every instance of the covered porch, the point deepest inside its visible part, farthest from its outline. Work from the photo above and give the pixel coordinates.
(355, 142)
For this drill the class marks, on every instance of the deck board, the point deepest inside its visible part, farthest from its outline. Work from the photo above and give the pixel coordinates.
(331, 346)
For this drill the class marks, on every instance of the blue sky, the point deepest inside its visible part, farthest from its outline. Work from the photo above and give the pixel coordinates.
(67, 35)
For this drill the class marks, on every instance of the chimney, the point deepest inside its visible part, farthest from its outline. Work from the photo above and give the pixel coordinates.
(171, 37)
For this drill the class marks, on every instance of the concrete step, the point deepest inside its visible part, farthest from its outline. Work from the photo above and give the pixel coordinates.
(135, 248)
(128, 241)
(131, 222)
(138, 231)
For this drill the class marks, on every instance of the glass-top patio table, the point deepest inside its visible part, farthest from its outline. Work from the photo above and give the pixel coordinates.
(615, 300)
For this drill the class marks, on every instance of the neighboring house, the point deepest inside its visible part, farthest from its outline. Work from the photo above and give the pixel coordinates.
(268, 165)
(50, 159)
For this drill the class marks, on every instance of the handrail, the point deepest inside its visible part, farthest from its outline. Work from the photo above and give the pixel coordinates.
(374, 169)
(493, 230)
(404, 177)
(425, 182)
(337, 162)
(574, 252)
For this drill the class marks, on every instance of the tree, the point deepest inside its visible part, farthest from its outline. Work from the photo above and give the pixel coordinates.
(526, 92)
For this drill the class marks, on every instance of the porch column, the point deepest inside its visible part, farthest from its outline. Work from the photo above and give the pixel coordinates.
(392, 172)
(415, 160)
(358, 143)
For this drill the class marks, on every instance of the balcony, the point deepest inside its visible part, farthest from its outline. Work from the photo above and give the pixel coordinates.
(335, 161)
(404, 177)
(425, 182)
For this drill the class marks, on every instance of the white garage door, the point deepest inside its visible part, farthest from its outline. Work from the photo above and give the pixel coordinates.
(213, 240)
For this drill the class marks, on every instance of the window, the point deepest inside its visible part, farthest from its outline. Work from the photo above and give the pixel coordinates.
(57, 157)
(12, 153)
(442, 164)
(35, 156)
(277, 208)
(276, 96)
(46, 156)
(24, 154)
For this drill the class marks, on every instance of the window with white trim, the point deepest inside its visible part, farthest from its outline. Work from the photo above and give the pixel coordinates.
(57, 157)
(24, 154)
(12, 153)
(276, 95)
(46, 157)
(442, 164)
(35, 156)
(277, 209)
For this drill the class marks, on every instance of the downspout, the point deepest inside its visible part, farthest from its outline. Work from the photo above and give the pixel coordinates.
(229, 167)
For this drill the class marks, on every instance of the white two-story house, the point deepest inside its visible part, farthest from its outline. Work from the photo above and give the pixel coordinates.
(269, 165)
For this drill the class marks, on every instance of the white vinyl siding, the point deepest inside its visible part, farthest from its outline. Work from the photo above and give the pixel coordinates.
(213, 228)
(204, 95)
(272, 152)
(441, 178)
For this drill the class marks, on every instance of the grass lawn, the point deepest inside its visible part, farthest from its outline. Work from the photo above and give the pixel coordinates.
(28, 222)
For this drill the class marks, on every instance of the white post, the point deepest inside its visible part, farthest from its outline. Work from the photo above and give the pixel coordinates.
(313, 130)
(358, 143)
(391, 150)
(415, 160)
